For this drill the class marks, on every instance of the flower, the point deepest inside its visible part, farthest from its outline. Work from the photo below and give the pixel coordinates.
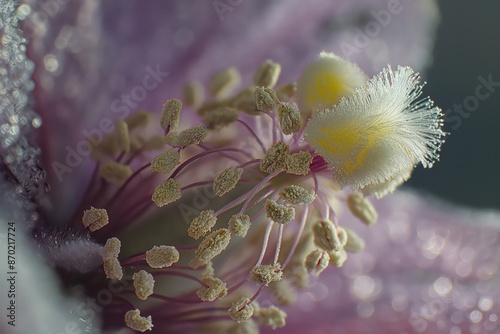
(268, 186)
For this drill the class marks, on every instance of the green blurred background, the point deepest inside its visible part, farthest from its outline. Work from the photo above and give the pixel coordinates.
(467, 47)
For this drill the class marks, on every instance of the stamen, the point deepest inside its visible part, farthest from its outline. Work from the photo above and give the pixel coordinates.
(286, 91)
(297, 195)
(239, 224)
(155, 143)
(265, 98)
(317, 261)
(279, 213)
(212, 245)
(275, 158)
(265, 274)
(143, 284)
(241, 310)
(224, 82)
(220, 117)
(114, 172)
(247, 327)
(354, 242)
(289, 118)
(361, 208)
(298, 274)
(193, 94)
(283, 292)
(162, 256)
(165, 162)
(245, 101)
(329, 237)
(337, 258)
(112, 268)
(215, 289)
(134, 321)
(171, 114)
(112, 247)
(138, 119)
(191, 136)
(227, 180)
(94, 219)
(202, 224)
(267, 74)
(298, 163)
(271, 316)
(122, 136)
(167, 192)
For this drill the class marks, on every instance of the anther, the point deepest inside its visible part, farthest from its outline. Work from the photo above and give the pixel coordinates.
(297, 195)
(317, 261)
(245, 101)
(298, 163)
(165, 162)
(265, 274)
(144, 284)
(289, 117)
(112, 268)
(226, 180)
(162, 256)
(275, 158)
(224, 82)
(155, 143)
(171, 114)
(114, 172)
(361, 208)
(220, 117)
(122, 136)
(138, 119)
(215, 289)
(193, 94)
(212, 245)
(279, 213)
(191, 136)
(202, 224)
(241, 310)
(239, 224)
(271, 316)
(95, 219)
(167, 192)
(112, 247)
(267, 74)
(337, 258)
(265, 98)
(329, 237)
(286, 91)
(354, 242)
(134, 321)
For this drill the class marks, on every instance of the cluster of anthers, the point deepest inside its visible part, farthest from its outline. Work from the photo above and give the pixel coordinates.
(272, 163)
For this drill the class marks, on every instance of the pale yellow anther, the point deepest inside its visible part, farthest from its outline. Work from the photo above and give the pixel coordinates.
(193, 94)
(241, 310)
(208, 269)
(298, 163)
(137, 143)
(317, 261)
(265, 274)
(95, 219)
(267, 74)
(144, 284)
(108, 147)
(112, 247)
(361, 208)
(138, 119)
(166, 192)
(329, 237)
(162, 256)
(271, 316)
(265, 98)
(112, 268)
(239, 224)
(354, 242)
(202, 224)
(289, 117)
(275, 158)
(191, 136)
(247, 327)
(134, 321)
(114, 172)
(171, 114)
(155, 143)
(165, 162)
(279, 213)
(226, 180)
(284, 292)
(338, 258)
(122, 136)
(215, 289)
(286, 91)
(298, 274)
(224, 82)
(245, 101)
(297, 195)
(220, 117)
(212, 245)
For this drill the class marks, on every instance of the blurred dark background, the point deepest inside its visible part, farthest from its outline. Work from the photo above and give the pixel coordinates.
(467, 48)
